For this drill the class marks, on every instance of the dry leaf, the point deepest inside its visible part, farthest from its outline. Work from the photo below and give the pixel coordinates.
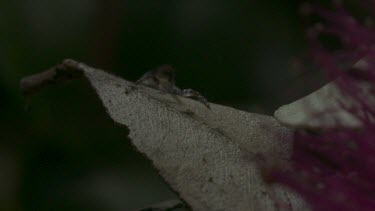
(323, 109)
(208, 156)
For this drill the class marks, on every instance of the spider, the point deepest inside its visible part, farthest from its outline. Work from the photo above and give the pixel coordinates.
(163, 78)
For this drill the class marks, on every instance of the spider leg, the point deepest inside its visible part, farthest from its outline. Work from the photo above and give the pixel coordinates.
(147, 79)
(190, 93)
(163, 80)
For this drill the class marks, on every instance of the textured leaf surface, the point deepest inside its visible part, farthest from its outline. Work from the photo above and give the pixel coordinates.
(208, 156)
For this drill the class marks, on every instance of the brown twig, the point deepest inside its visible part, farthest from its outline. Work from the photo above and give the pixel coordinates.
(65, 71)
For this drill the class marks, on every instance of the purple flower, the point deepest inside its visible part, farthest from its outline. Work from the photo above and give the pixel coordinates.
(334, 169)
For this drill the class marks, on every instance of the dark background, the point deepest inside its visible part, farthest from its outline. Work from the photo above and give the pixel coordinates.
(64, 152)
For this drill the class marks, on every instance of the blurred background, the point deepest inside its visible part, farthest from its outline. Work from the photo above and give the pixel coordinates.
(58, 148)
